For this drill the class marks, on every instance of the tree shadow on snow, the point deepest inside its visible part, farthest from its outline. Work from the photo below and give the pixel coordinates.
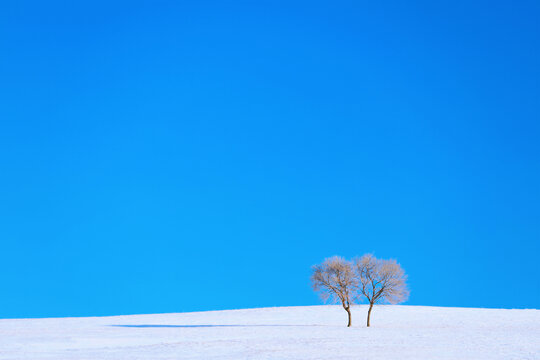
(196, 326)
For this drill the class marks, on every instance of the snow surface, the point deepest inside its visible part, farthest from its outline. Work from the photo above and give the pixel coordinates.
(309, 332)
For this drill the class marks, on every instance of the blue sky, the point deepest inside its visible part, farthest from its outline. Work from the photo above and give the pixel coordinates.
(169, 156)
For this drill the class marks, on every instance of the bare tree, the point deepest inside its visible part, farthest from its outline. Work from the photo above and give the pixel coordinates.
(380, 280)
(335, 281)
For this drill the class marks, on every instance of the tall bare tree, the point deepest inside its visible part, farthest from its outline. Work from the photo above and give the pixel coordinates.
(335, 281)
(380, 280)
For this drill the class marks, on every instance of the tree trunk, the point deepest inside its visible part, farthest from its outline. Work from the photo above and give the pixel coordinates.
(369, 313)
(348, 313)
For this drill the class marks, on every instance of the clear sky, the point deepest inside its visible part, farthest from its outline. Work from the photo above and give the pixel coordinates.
(169, 156)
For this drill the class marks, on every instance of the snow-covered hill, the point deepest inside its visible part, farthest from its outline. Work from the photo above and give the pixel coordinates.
(311, 332)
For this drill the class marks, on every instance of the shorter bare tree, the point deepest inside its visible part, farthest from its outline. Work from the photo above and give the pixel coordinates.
(380, 281)
(335, 281)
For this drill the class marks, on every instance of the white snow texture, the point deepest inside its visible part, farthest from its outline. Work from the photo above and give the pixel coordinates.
(308, 332)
